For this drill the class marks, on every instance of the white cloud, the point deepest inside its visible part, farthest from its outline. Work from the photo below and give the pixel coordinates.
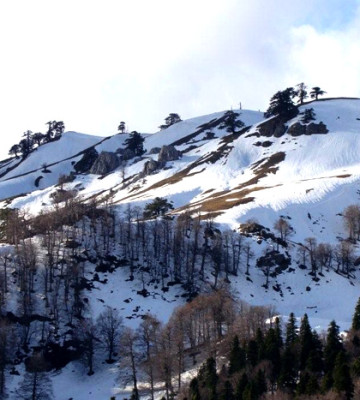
(93, 63)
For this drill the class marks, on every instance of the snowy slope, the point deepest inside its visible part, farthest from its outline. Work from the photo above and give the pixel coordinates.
(309, 179)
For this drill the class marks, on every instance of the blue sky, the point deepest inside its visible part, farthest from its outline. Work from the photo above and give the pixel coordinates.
(94, 63)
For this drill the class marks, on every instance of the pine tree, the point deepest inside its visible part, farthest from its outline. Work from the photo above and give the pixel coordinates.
(291, 331)
(312, 386)
(159, 206)
(356, 317)
(122, 127)
(208, 377)
(342, 378)
(237, 357)
(316, 92)
(308, 115)
(135, 143)
(252, 352)
(194, 390)
(301, 92)
(278, 332)
(240, 387)
(260, 381)
(272, 353)
(333, 346)
(231, 122)
(227, 392)
(314, 361)
(282, 104)
(288, 370)
(306, 341)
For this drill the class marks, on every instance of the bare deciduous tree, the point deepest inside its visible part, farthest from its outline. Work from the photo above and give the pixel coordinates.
(110, 325)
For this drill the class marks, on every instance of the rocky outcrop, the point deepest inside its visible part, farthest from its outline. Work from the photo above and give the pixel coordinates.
(299, 129)
(125, 154)
(155, 150)
(105, 163)
(85, 163)
(273, 127)
(168, 153)
(150, 167)
(316, 128)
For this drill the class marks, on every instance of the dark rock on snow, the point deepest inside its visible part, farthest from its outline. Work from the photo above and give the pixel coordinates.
(105, 163)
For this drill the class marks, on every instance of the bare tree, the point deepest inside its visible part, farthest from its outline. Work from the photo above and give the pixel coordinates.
(36, 384)
(86, 335)
(149, 335)
(129, 360)
(352, 220)
(109, 325)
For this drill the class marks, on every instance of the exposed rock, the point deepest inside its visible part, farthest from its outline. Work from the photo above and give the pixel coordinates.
(316, 128)
(273, 127)
(265, 144)
(168, 153)
(155, 150)
(151, 166)
(125, 154)
(297, 129)
(105, 163)
(83, 166)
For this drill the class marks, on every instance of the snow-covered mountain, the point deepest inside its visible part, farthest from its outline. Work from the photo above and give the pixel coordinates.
(306, 173)
(256, 173)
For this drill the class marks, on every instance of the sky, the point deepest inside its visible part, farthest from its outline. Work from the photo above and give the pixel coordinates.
(94, 63)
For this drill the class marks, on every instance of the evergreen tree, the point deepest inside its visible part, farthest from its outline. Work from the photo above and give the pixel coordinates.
(308, 115)
(194, 390)
(230, 122)
(135, 143)
(291, 331)
(342, 378)
(240, 387)
(356, 367)
(314, 361)
(260, 344)
(303, 382)
(288, 370)
(272, 353)
(356, 317)
(301, 92)
(157, 207)
(208, 377)
(122, 127)
(260, 382)
(278, 332)
(282, 104)
(312, 386)
(171, 119)
(306, 341)
(14, 150)
(227, 393)
(316, 92)
(237, 357)
(333, 346)
(252, 352)
(250, 392)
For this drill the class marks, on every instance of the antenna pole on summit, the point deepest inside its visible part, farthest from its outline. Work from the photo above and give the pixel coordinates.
(240, 106)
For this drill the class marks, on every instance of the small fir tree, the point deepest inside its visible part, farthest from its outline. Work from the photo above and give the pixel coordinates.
(316, 92)
(342, 378)
(356, 317)
(282, 104)
(135, 143)
(237, 357)
(231, 123)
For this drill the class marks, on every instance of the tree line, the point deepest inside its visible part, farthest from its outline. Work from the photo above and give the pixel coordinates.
(32, 140)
